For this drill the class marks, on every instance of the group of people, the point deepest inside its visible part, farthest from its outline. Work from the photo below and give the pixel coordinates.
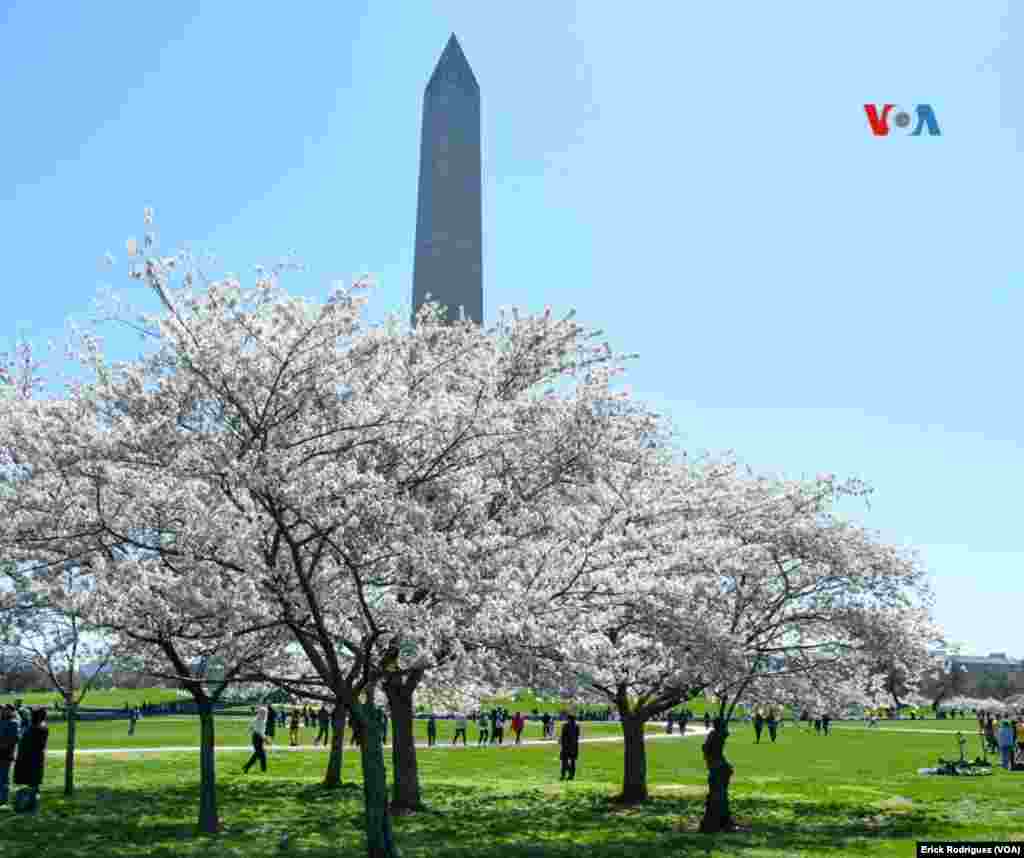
(23, 737)
(1005, 737)
(684, 717)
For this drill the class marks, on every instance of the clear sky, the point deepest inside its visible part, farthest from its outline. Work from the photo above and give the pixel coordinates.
(697, 179)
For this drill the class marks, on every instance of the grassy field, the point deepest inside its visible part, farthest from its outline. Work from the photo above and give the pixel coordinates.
(100, 698)
(183, 731)
(855, 792)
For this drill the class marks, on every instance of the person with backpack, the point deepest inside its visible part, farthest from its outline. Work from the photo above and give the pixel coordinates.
(28, 770)
(569, 743)
(8, 743)
(258, 729)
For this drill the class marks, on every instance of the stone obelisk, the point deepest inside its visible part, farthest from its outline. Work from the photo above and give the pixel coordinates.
(449, 255)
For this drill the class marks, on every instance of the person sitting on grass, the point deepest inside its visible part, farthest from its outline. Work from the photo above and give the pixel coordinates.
(28, 771)
(258, 729)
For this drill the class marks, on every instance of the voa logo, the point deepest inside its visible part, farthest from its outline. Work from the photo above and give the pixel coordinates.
(879, 119)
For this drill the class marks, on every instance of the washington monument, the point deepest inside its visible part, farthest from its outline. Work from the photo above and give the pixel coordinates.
(449, 257)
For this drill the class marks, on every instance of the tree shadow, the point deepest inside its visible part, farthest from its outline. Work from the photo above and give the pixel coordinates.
(463, 820)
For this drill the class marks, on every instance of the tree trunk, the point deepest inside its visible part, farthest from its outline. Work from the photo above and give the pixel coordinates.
(717, 816)
(405, 771)
(71, 715)
(333, 777)
(380, 841)
(634, 775)
(208, 820)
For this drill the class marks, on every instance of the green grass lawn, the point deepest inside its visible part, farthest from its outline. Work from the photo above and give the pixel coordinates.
(855, 792)
(183, 731)
(99, 698)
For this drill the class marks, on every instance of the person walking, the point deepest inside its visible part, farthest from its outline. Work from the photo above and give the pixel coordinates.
(518, 724)
(570, 748)
(431, 731)
(683, 718)
(817, 725)
(499, 728)
(545, 723)
(28, 770)
(773, 725)
(460, 729)
(826, 719)
(707, 720)
(293, 732)
(133, 719)
(481, 724)
(1019, 733)
(258, 729)
(668, 723)
(271, 726)
(8, 743)
(1005, 739)
(323, 720)
(758, 726)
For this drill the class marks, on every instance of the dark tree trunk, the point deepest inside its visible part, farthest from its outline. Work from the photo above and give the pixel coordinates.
(209, 823)
(333, 776)
(380, 841)
(717, 816)
(405, 771)
(634, 775)
(71, 711)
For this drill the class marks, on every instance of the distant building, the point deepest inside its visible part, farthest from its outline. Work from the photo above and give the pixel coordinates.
(995, 674)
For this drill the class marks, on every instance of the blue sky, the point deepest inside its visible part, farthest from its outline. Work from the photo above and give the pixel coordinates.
(699, 180)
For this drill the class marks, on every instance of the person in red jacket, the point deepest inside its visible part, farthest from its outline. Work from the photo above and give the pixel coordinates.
(518, 723)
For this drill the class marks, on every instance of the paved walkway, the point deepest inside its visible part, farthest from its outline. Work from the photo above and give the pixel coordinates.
(278, 748)
(903, 730)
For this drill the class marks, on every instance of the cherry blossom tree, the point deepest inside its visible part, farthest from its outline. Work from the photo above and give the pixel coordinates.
(811, 603)
(361, 488)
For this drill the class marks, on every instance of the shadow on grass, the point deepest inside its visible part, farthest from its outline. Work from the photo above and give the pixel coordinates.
(465, 820)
